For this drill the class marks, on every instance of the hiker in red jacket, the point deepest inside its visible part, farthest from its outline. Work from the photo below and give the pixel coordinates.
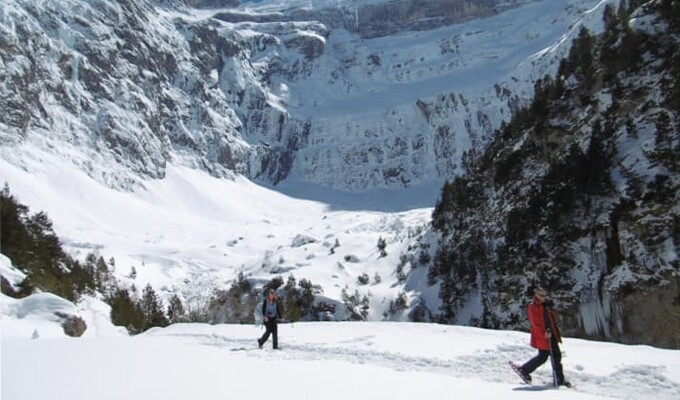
(545, 334)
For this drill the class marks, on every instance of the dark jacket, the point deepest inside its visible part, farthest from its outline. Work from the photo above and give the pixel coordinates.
(279, 314)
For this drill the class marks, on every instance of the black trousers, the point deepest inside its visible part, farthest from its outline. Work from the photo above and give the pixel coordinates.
(542, 356)
(271, 327)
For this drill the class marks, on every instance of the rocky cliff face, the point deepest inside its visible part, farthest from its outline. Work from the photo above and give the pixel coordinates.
(123, 90)
(371, 19)
(354, 95)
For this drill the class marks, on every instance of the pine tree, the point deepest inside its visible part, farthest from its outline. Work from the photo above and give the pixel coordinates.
(176, 311)
(609, 56)
(125, 312)
(238, 301)
(581, 57)
(663, 138)
(382, 244)
(103, 277)
(30, 241)
(306, 296)
(152, 309)
(365, 307)
(275, 284)
(610, 19)
(292, 301)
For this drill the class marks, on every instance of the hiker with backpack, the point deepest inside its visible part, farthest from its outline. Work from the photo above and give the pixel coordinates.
(545, 336)
(271, 312)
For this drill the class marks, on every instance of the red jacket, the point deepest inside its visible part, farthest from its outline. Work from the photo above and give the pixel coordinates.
(538, 326)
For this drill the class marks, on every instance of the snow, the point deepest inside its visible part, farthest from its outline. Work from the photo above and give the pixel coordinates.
(335, 360)
(13, 276)
(190, 233)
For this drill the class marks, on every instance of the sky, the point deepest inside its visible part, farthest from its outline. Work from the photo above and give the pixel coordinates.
(329, 360)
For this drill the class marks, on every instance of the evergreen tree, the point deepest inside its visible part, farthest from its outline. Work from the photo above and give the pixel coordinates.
(306, 296)
(292, 300)
(673, 84)
(365, 307)
(125, 312)
(382, 244)
(624, 10)
(664, 136)
(609, 53)
(104, 278)
(581, 57)
(30, 242)
(176, 311)
(238, 301)
(152, 308)
(611, 21)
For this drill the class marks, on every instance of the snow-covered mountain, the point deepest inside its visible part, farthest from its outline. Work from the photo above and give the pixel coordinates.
(578, 193)
(352, 95)
(124, 117)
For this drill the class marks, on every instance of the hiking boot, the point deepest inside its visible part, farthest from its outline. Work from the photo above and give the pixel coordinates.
(525, 376)
(565, 383)
(259, 344)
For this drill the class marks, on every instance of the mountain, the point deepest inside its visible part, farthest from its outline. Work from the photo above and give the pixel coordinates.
(344, 94)
(134, 123)
(578, 193)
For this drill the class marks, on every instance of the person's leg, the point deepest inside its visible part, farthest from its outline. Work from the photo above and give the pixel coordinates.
(267, 331)
(275, 334)
(531, 365)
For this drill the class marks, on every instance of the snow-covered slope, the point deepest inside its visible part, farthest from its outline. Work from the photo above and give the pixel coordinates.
(331, 360)
(191, 233)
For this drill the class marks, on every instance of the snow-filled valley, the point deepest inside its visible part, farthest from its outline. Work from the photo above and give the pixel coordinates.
(191, 233)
